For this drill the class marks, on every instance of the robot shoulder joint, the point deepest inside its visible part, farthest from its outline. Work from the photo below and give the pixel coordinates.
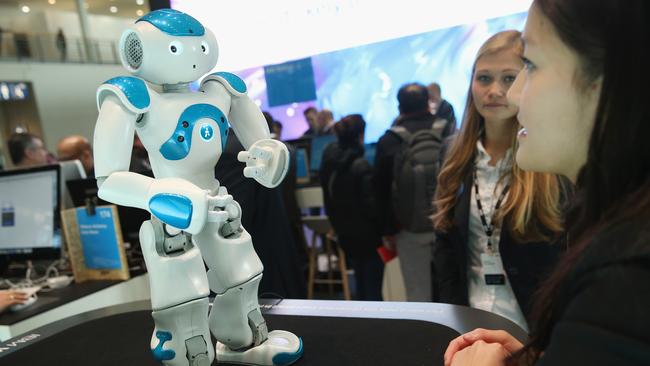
(233, 83)
(132, 92)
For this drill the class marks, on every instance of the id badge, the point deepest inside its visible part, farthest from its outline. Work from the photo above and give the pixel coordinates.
(492, 269)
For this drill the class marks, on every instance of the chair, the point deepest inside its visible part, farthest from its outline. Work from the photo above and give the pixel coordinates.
(320, 226)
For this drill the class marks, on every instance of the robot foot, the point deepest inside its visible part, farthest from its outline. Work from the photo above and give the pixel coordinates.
(281, 348)
(181, 336)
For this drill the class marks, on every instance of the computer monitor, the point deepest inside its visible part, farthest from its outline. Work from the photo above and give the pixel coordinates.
(31, 222)
(70, 170)
(318, 145)
(302, 166)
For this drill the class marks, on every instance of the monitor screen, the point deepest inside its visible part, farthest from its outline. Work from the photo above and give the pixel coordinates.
(302, 166)
(30, 204)
(318, 145)
(70, 170)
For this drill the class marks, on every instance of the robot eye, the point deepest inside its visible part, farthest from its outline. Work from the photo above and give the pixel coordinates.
(175, 48)
(205, 48)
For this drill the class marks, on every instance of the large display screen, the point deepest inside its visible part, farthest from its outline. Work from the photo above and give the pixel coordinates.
(361, 51)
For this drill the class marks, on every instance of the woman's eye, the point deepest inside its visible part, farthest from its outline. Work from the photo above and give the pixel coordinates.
(483, 79)
(528, 65)
(509, 79)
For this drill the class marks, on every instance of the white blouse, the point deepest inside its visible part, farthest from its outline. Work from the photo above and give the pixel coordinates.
(498, 299)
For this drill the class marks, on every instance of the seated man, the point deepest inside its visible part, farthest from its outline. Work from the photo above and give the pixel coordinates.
(77, 147)
(27, 150)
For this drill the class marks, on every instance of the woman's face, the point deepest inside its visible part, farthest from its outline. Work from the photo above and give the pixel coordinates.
(493, 76)
(557, 117)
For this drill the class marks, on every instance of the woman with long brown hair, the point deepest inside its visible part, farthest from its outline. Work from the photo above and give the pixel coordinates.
(495, 224)
(583, 103)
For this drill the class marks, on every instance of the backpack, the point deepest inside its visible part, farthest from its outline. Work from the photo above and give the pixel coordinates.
(415, 173)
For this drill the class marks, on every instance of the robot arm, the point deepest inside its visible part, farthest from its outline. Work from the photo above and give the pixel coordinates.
(174, 201)
(267, 160)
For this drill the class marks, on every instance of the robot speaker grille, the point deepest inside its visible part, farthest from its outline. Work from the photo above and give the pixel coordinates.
(133, 50)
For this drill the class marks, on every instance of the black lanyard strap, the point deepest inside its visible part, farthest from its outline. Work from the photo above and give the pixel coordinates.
(488, 228)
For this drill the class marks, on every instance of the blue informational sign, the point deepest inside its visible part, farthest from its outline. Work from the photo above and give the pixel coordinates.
(290, 82)
(99, 240)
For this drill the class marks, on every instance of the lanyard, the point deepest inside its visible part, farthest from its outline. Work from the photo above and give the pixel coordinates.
(488, 228)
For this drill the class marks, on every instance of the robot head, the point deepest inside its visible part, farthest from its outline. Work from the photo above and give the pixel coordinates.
(168, 47)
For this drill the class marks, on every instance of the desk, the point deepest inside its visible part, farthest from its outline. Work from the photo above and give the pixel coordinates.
(72, 300)
(334, 333)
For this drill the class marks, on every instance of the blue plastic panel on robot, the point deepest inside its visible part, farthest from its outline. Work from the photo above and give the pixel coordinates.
(179, 144)
(172, 209)
(233, 80)
(134, 89)
(158, 352)
(174, 23)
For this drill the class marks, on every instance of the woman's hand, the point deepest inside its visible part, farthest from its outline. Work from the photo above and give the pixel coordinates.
(501, 337)
(481, 353)
(10, 297)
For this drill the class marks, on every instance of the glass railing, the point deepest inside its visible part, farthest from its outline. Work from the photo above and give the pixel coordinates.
(44, 47)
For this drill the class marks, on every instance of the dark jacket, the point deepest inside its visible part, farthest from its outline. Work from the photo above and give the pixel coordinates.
(387, 147)
(603, 306)
(346, 178)
(526, 264)
(265, 218)
(446, 111)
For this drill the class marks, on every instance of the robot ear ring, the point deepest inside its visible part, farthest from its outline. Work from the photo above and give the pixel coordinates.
(131, 50)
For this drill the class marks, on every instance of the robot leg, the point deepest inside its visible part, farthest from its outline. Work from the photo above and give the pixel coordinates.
(179, 296)
(236, 320)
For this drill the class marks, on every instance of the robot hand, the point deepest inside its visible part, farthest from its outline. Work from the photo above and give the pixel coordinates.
(222, 207)
(267, 161)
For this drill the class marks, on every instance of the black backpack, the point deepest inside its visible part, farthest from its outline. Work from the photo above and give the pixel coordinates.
(415, 173)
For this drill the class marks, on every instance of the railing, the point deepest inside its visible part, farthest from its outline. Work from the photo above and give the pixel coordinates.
(45, 47)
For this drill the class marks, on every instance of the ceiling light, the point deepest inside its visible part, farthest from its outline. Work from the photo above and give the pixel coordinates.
(113, 9)
(139, 12)
(25, 9)
(139, 2)
(51, 2)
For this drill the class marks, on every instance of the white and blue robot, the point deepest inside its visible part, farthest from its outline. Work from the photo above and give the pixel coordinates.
(193, 217)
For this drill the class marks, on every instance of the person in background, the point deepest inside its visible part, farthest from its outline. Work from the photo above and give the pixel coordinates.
(277, 129)
(495, 224)
(325, 121)
(442, 108)
(582, 101)
(77, 147)
(346, 178)
(26, 150)
(414, 248)
(61, 44)
(265, 217)
(310, 116)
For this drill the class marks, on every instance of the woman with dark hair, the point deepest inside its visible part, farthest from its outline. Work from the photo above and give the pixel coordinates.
(582, 101)
(346, 178)
(496, 225)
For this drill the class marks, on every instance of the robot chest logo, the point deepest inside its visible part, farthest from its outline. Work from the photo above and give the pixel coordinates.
(179, 144)
(206, 132)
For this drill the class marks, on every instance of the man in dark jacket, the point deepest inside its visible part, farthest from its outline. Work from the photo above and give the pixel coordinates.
(414, 249)
(346, 178)
(442, 109)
